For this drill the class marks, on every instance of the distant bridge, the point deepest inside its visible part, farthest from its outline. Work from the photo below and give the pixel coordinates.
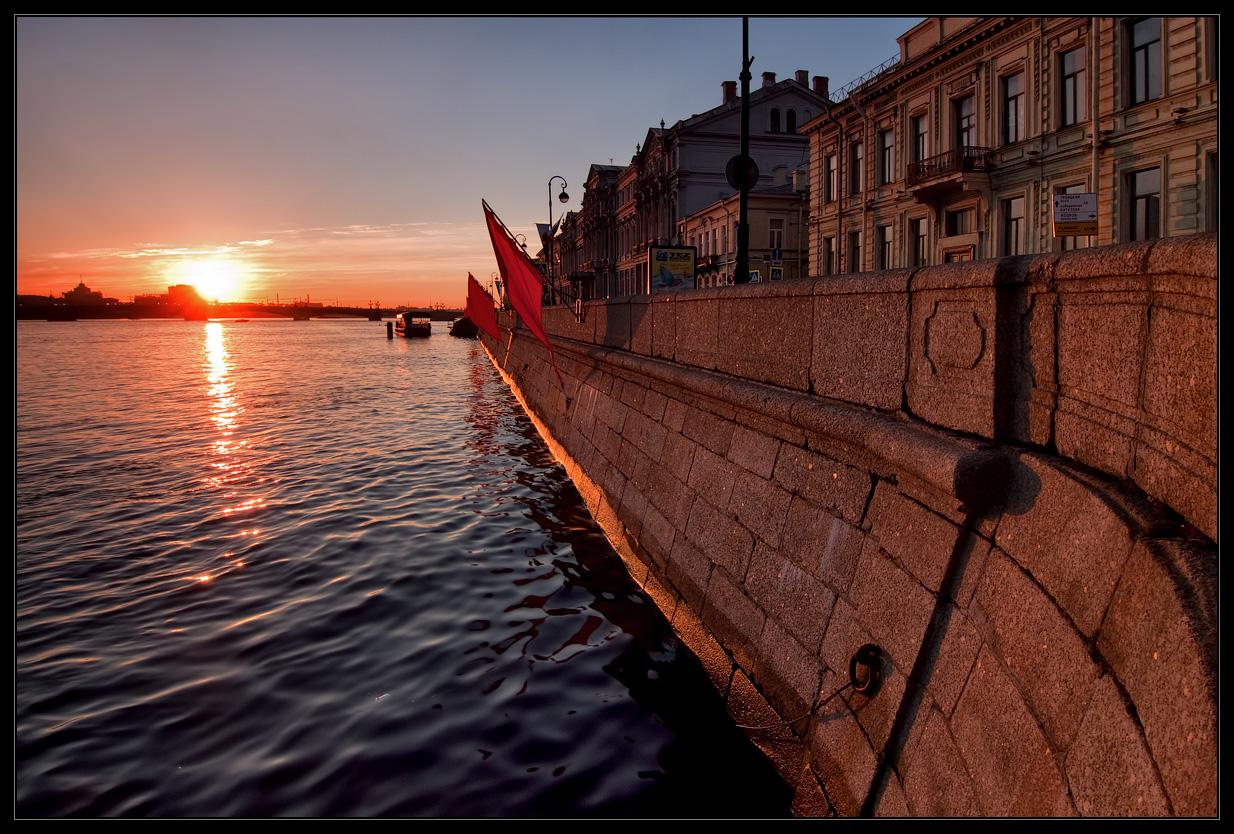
(298, 312)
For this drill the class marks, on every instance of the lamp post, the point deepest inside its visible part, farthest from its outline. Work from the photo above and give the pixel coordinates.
(564, 198)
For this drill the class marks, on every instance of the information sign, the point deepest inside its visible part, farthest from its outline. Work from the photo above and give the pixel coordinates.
(1075, 214)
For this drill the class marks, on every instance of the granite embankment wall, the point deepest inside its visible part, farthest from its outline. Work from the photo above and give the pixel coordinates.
(1002, 474)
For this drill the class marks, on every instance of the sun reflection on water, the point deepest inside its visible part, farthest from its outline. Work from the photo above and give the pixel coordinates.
(233, 473)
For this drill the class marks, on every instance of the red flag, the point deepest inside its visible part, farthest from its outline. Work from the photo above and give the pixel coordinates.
(521, 277)
(480, 308)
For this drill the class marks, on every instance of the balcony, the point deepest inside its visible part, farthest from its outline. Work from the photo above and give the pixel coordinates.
(968, 159)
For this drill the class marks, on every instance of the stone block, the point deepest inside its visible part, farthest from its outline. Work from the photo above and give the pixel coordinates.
(842, 757)
(1014, 769)
(677, 455)
(713, 431)
(723, 540)
(890, 604)
(696, 322)
(953, 345)
(835, 486)
(1068, 536)
(860, 340)
(663, 326)
(788, 674)
(957, 653)
(813, 541)
(642, 327)
(733, 618)
(689, 571)
(766, 338)
(1160, 640)
(750, 709)
(1109, 769)
(753, 450)
(921, 540)
(712, 477)
(613, 325)
(1050, 661)
(1180, 380)
(760, 506)
(936, 783)
(794, 599)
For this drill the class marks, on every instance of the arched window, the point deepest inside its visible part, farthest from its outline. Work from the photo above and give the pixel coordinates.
(791, 125)
(775, 120)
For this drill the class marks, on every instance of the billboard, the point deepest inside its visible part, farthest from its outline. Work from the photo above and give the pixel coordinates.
(671, 267)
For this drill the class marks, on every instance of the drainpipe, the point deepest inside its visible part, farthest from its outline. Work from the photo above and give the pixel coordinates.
(1094, 60)
(840, 161)
(865, 185)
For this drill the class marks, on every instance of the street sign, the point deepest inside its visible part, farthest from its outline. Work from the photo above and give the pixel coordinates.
(1075, 214)
(738, 167)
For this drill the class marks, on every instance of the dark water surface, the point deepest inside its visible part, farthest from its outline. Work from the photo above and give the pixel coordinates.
(278, 568)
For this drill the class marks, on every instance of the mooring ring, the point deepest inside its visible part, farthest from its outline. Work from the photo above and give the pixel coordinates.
(869, 658)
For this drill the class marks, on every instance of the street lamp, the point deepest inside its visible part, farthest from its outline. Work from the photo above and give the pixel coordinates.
(564, 198)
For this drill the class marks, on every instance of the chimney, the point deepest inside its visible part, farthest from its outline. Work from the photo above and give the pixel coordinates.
(822, 86)
(769, 79)
(803, 78)
(730, 91)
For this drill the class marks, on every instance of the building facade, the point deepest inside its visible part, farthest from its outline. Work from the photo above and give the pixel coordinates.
(960, 149)
(778, 245)
(679, 171)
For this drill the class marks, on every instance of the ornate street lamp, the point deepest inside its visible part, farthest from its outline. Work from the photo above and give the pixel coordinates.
(564, 198)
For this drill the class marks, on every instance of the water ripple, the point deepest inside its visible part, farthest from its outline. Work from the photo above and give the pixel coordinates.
(268, 569)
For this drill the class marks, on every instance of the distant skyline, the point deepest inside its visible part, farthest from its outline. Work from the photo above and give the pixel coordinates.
(345, 158)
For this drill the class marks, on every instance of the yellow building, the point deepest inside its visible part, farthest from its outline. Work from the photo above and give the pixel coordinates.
(994, 136)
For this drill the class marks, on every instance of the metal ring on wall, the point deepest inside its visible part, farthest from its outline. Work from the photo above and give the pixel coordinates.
(865, 669)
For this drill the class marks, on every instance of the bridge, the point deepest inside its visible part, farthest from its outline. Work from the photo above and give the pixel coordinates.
(297, 312)
(944, 538)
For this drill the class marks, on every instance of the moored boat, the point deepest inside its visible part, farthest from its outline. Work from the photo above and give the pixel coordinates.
(410, 324)
(464, 328)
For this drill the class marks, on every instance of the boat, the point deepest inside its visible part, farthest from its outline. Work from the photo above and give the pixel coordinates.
(410, 324)
(464, 328)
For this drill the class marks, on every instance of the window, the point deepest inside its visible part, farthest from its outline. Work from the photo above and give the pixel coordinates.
(829, 178)
(960, 221)
(1013, 226)
(921, 139)
(775, 120)
(1013, 108)
(921, 241)
(854, 251)
(1074, 95)
(854, 167)
(883, 239)
(886, 157)
(965, 122)
(1145, 39)
(775, 233)
(828, 256)
(790, 121)
(1144, 189)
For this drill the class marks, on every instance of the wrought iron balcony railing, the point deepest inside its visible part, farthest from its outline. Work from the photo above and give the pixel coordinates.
(967, 158)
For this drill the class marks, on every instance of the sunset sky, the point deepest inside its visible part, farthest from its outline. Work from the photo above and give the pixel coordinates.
(344, 159)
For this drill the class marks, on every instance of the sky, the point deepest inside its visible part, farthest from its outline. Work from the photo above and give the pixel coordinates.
(344, 159)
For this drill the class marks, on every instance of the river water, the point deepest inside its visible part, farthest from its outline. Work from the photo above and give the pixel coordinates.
(296, 569)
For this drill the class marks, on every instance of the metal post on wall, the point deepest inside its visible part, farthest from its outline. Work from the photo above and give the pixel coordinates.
(742, 275)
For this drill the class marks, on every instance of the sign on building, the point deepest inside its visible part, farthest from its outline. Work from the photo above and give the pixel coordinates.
(671, 267)
(1075, 214)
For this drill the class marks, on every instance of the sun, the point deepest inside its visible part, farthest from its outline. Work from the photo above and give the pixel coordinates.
(216, 279)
